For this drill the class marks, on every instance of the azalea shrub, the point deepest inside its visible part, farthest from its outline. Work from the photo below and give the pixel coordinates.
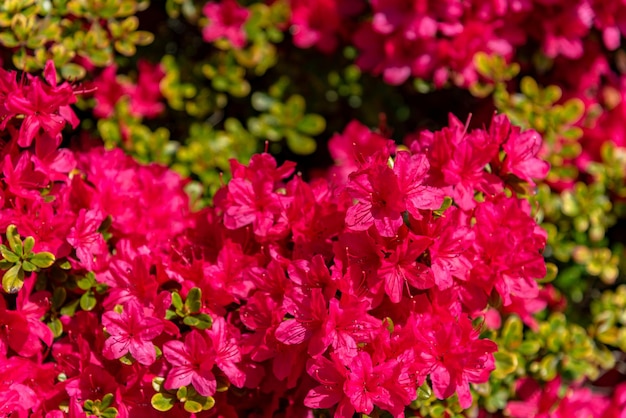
(312, 208)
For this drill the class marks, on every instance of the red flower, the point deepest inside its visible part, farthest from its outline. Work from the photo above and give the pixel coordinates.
(332, 376)
(227, 353)
(365, 384)
(131, 332)
(192, 362)
(226, 20)
(86, 239)
(454, 354)
(399, 268)
(44, 106)
(379, 201)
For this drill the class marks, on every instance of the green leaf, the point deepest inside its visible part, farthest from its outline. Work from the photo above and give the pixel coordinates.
(29, 267)
(88, 405)
(70, 308)
(181, 393)
(29, 243)
(197, 322)
(208, 403)
(548, 367)
(506, 363)
(72, 71)
(529, 348)
(300, 144)
(294, 107)
(8, 39)
(109, 413)
(177, 301)
(573, 110)
(192, 407)
(86, 282)
(261, 101)
(125, 47)
(512, 332)
(424, 392)
(529, 87)
(14, 239)
(141, 38)
(200, 321)
(162, 402)
(58, 297)
(482, 63)
(193, 303)
(311, 124)
(206, 320)
(107, 400)
(13, 279)
(56, 326)
(157, 383)
(9, 255)
(88, 301)
(43, 259)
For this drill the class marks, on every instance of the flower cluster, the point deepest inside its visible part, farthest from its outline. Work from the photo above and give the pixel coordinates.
(437, 40)
(346, 294)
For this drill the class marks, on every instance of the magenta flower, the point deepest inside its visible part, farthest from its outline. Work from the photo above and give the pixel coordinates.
(379, 201)
(331, 376)
(227, 352)
(192, 362)
(357, 144)
(534, 400)
(145, 96)
(131, 332)
(226, 20)
(86, 239)
(44, 106)
(399, 268)
(454, 354)
(365, 384)
(108, 91)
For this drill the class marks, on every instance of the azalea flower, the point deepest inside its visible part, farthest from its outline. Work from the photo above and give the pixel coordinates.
(192, 363)
(131, 332)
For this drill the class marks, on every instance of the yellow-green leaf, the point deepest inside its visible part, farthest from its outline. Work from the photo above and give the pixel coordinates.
(13, 279)
(162, 402)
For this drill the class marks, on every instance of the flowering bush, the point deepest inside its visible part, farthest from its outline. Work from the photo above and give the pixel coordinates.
(163, 256)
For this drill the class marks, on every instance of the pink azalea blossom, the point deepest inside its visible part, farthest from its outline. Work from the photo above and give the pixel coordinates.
(226, 20)
(131, 332)
(192, 363)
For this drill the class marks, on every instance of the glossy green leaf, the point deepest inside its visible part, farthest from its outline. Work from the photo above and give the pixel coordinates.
(311, 124)
(72, 71)
(192, 406)
(58, 297)
(512, 332)
(29, 267)
(56, 326)
(300, 144)
(15, 243)
(70, 308)
(177, 301)
(9, 255)
(198, 321)
(43, 259)
(506, 363)
(110, 412)
(193, 303)
(88, 301)
(162, 402)
(13, 279)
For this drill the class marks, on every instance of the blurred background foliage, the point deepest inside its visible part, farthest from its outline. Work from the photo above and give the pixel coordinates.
(179, 100)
